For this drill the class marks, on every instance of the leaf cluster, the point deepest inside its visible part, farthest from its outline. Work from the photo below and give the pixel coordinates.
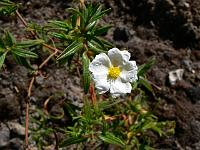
(21, 51)
(7, 7)
(125, 124)
(81, 32)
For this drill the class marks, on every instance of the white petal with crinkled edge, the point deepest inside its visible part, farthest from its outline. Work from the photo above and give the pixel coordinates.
(101, 83)
(100, 64)
(119, 87)
(117, 57)
(129, 72)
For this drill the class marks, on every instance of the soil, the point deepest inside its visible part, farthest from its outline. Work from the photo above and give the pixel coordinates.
(169, 30)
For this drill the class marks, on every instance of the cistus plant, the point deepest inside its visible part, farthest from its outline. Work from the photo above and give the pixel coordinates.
(115, 113)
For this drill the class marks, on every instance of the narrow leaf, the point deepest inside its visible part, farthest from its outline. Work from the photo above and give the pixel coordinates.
(29, 43)
(61, 24)
(22, 61)
(61, 36)
(2, 58)
(72, 140)
(145, 67)
(112, 139)
(9, 39)
(71, 49)
(101, 30)
(2, 45)
(101, 14)
(86, 73)
(90, 26)
(145, 83)
(94, 47)
(24, 53)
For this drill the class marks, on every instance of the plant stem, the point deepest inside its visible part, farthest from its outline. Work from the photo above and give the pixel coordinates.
(27, 110)
(36, 73)
(93, 94)
(33, 33)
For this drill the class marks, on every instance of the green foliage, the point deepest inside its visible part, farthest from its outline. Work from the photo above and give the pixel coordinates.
(112, 139)
(125, 123)
(19, 50)
(145, 67)
(2, 58)
(80, 37)
(7, 7)
(86, 72)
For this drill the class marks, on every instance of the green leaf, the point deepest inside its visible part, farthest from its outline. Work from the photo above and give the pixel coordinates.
(2, 45)
(104, 42)
(29, 43)
(6, 2)
(93, 46)
(101, 30)
(100, 14)
(145, 83)
(145, 67)
(112, 139)
(24, 53)
(71, 49)
(61, 36)
(9, 39)
(22, 61)
(73, 20)
(71, 141)
(90, 26)
(60, 24)
(86, 73)
(77, 12)
(2, 58)
(7, 7)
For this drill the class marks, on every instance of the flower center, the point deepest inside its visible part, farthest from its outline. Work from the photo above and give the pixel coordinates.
(114, 72)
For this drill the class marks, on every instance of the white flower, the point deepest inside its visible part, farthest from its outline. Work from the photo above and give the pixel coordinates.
(113, 72)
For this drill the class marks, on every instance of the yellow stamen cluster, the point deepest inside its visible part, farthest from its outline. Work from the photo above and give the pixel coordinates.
(114, 72)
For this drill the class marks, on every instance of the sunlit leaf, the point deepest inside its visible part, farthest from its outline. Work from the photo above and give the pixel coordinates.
(101, 14)
(61, 36)
(24, 53)
(61, 24)
(112, 139)
(29, 43)
(90, 26)
(2, 59)
(71, 49)
(93, 46)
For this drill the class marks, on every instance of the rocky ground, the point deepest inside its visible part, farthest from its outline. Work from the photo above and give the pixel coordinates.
(166, 29)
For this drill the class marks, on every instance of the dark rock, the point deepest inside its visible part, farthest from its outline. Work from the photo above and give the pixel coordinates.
(194, 94)
(121, 34)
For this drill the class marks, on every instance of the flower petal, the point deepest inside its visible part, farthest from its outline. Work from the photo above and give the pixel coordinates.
(100, 64)
(117, 87)
(129, 72)
(101, 83)
(118, 57)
